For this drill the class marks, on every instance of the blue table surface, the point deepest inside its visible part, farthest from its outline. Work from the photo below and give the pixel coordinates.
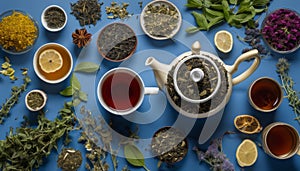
(165, 52)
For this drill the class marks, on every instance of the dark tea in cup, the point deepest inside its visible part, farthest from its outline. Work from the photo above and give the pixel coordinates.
(265, 94)
(121, 90)
(280, 140)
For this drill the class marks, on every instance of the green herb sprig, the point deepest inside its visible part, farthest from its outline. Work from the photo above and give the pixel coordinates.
(236, 13)
(13, 99)
(74, 90)
(27, 147)
(288, 86)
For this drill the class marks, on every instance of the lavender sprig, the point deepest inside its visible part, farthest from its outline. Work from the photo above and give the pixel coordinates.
(288, 86)
(214, 155)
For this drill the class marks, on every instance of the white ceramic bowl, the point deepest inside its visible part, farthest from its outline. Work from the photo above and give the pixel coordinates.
(158, 3)
(44, 95)
(59, 75)
(44, 22)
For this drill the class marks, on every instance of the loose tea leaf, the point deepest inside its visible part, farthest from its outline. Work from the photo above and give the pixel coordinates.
(13, 99)
(117, 10)
(288, 86)
(54, 17)
(87, 67)
(35, 100)
(69, 159)
(134, 156)
(67, 91)
(87, 11)
(28, 146)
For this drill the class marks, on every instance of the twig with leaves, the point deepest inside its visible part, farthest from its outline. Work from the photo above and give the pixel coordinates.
(288, 86)
(26, 148)
(13, 99)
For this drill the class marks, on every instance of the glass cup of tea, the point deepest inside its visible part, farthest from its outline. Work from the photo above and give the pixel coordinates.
(265, 94)
(121, 91)
(280, 140)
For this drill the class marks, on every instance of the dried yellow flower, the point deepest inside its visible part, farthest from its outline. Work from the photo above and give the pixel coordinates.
(17, 32)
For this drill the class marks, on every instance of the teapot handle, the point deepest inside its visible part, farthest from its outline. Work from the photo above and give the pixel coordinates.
(246, 56)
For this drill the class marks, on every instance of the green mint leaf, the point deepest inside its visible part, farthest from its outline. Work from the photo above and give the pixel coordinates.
(233, 2)
(134, 156)
(75, 83)
(76, 102)
(87, 67)
(260, 2)
(226, 9)
(67, 91)
(192, 29)
(200, 20)
(215, 21)
(194, 4)
(83, 96)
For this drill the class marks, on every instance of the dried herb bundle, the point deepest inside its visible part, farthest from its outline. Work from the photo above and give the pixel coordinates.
(288, 86)
(214, 155)
(86, 11)
(27, 147)
(15, 93)
(92, 129)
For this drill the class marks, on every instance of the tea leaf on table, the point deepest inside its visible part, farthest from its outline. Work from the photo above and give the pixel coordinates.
(83, 96)
(134, 156)
(87, 67)
(75, 82)
(194, 4)
(67, 91)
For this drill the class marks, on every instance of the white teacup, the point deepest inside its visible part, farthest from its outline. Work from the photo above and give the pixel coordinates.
(121, 91)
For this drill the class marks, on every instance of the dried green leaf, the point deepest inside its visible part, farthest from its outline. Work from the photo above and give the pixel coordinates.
(67, 91)
(83, 96)
(75, 83)
(192, 29)
(87, 67)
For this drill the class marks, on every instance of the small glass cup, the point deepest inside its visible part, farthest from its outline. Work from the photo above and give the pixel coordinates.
(280, 140)
(265, 94)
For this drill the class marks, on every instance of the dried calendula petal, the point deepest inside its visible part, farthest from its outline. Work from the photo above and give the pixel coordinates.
(247, 124)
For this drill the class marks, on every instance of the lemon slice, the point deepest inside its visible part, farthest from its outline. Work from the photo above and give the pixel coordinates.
(50, 60)
(246, 153)
(223, 41)
(247, 124)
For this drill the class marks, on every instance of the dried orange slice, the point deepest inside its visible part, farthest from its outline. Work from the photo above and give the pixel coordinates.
(246, 153)
(247, 124)
(223, 41)
(50, 60)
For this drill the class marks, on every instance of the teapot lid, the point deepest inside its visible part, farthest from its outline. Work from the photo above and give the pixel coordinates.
(197, 78)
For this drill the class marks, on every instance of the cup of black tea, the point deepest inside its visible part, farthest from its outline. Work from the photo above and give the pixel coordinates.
(265, 94)
(121, 91)
(280, 140)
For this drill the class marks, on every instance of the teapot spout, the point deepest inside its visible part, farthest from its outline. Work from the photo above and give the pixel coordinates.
(160, 71)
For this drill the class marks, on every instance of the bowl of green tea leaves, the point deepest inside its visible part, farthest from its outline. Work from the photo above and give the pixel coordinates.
(160, 19)
(116, 42)
(18, 32)
(169, 145)
(35, 100)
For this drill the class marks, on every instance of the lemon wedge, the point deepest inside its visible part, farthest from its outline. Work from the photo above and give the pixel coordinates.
(223, 41)
(246, 153)
(50, 60)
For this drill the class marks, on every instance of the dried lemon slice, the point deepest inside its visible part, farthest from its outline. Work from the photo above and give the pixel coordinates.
(247, 124)
(246, 153)
(223, 41)
(50, 60)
